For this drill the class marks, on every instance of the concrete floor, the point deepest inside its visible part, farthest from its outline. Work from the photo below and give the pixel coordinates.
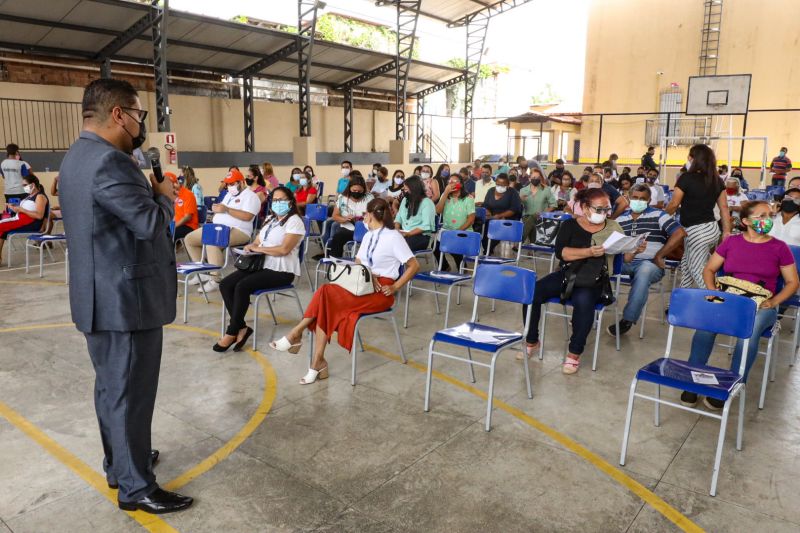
(332, 458)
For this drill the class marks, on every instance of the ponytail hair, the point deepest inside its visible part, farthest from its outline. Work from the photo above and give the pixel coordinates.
(379, 208)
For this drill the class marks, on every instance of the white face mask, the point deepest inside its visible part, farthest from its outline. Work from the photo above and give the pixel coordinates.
(597, 218)
(501, 189)
(593, 185)
(345, 172)
(425, 175)
(28, 189)
(688, 165)
(398, 181)
(296, 177)
(233, 189)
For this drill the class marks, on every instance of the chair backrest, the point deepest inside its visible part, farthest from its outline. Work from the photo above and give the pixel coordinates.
(505, 282)
(755, 194)
(666, 188)
(618, 259)
(734, 315)
(505, 230)
(360, 231)
(467, 243)
(775, 189)
(304, 242)
(172, 229)
(555, 215)
(216, 235)
(208, 201)
(202, 214)
(318, 212)
(796, 253)
(320, 187)
(480, 213)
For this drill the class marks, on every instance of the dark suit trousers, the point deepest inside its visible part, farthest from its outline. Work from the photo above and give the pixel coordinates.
(126, 365)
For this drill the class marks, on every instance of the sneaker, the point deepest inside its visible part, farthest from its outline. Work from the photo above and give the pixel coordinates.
(196, 280)
(209, 286)
(624, 326)
(713, 403)
(689, 399)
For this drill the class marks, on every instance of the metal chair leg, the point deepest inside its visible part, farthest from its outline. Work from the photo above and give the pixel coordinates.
(490, 396)
(405, 313)
(471, 366)
(543, 330)
(526, 368)
(255, 322)
(599, 320)
(428, 378)
(397, 337)
(740, 422)
(186, 298)
(627, 431)
(41, 260)
(764, 379)
(271, 310)
(657, 419)
(720, 442)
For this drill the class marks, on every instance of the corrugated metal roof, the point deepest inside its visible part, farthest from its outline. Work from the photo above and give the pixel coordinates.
(82, 28)
(456, 12)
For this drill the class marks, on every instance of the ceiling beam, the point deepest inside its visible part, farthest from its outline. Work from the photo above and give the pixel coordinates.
(366, 76)
(125, 38)
(269, 60)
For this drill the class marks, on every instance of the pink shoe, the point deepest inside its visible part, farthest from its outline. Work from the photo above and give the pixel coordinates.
(570, 365)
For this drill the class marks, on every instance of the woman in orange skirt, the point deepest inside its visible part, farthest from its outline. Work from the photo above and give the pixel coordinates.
(335, 309)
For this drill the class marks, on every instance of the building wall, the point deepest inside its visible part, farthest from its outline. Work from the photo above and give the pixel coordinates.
(629, 42)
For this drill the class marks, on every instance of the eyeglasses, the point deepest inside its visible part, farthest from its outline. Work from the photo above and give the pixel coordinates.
(600, 209)
(141, 112)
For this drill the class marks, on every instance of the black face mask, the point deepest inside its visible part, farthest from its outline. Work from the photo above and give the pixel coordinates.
(356, 195)
(536, 181)
(137, 140)
(788, 206)
(249, 181)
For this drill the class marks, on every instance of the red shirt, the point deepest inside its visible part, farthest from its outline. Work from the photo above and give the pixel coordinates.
(301, 194)
(186, 204)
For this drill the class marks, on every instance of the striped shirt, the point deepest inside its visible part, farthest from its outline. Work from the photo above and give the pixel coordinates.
(781, 165)
(658, 223)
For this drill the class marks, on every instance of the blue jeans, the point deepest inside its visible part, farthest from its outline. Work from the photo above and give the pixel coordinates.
(330, 231)
(644, 273)
(703, 343)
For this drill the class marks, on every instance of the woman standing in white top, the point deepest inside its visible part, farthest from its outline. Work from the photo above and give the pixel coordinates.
(279, 240)
(334, 309)
(350, 208)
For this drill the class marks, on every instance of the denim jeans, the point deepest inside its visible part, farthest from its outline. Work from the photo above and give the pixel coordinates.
(583, 301)
(703, 343)
(331, 230)
(644, 273)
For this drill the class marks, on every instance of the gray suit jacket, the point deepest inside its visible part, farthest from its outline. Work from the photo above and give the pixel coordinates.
(121, 257)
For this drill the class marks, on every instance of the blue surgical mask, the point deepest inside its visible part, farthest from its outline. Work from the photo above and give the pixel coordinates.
(296, 177)
(303, 182)
(280, 207)
(445, 173)
(781, 153)
(637, 206)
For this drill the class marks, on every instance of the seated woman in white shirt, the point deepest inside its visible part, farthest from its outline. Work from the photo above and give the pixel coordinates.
(786, 224)
(333, 309)
(29, 214)
(350, 208)
(279, 240)
(382, 183)
(237, 211)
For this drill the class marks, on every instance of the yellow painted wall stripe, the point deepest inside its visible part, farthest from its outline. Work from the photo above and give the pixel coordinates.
(649, 497)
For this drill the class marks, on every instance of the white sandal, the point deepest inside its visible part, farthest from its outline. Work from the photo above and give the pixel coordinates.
(314, 375)
(284, 345)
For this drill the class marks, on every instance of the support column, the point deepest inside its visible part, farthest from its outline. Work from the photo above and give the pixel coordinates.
(304, 152)
(407, 16)
(307, 25)
(420, 124)
(465, 152)
(398, 151)
(105, 68)
(249, 122)
(348, 120)
(159, 29)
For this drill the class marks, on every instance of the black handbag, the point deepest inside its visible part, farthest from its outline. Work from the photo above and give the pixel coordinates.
(546, 230)
(250, 262)
(588, 273)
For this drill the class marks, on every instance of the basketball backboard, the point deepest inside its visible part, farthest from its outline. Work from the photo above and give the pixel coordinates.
(718, 95)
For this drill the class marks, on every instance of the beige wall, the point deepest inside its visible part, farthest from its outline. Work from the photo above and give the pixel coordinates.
(205, 124)
(629, 41)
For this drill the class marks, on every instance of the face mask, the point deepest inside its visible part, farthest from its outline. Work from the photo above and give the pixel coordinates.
(597, 218)
(501, 189)
(28, 189)
(637, 206)
(651, 179)
(593, 185)
(296, 177)
(536, 181)
(485, 177)
(303, 182)
(425, 175)
(737, 176)
(688, 165)
(280, 207)
(445, 173)
(781, 153)
(138, 140)
(456, 187)
(233, 190)
(731, 190)
(345, 172)
(762, 226)
(356, 195)
(398, 181)
(789, 206)
(309, 172)
(249, 181)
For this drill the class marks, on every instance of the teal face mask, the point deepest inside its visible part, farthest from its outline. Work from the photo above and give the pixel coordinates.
(280, 207)
(637, 206)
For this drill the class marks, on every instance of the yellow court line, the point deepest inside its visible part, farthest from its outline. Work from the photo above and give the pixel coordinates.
(649, 497)
(97, 481)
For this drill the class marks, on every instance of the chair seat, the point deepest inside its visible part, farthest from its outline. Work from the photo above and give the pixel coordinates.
(191, 268)
(274, 289)
(678, 375)
(557, 300)
(478, 336)
(42, 238)
(792, 301)
(538, 248)
(489, 260)
(423, 252)
(443, 278)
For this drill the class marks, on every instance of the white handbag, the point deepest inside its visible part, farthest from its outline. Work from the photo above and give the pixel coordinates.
(355, 278)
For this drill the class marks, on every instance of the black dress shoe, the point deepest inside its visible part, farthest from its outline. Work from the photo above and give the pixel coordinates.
(220, 348)
(154, 454)
(159, 501)
(239, 345)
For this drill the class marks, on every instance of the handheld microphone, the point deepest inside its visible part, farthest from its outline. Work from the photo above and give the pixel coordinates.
(154, 155)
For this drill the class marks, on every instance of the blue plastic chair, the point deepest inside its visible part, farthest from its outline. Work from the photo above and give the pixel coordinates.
(598, 314)
(794, 303)
(38, 240)
(285, 290)
(208, 201)
(500, 230)
(480, 216)
(319, 214)
(757, 194)
(213, 235)
(23, 234)
(498, 282)
(202, 214)
(465, 243)
(735, 316)
(547, 250)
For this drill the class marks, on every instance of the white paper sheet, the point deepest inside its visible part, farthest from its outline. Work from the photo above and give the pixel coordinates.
(704, 378)
(618, 243)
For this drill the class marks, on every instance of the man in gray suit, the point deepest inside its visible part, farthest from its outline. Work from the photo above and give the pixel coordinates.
(122, 283)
